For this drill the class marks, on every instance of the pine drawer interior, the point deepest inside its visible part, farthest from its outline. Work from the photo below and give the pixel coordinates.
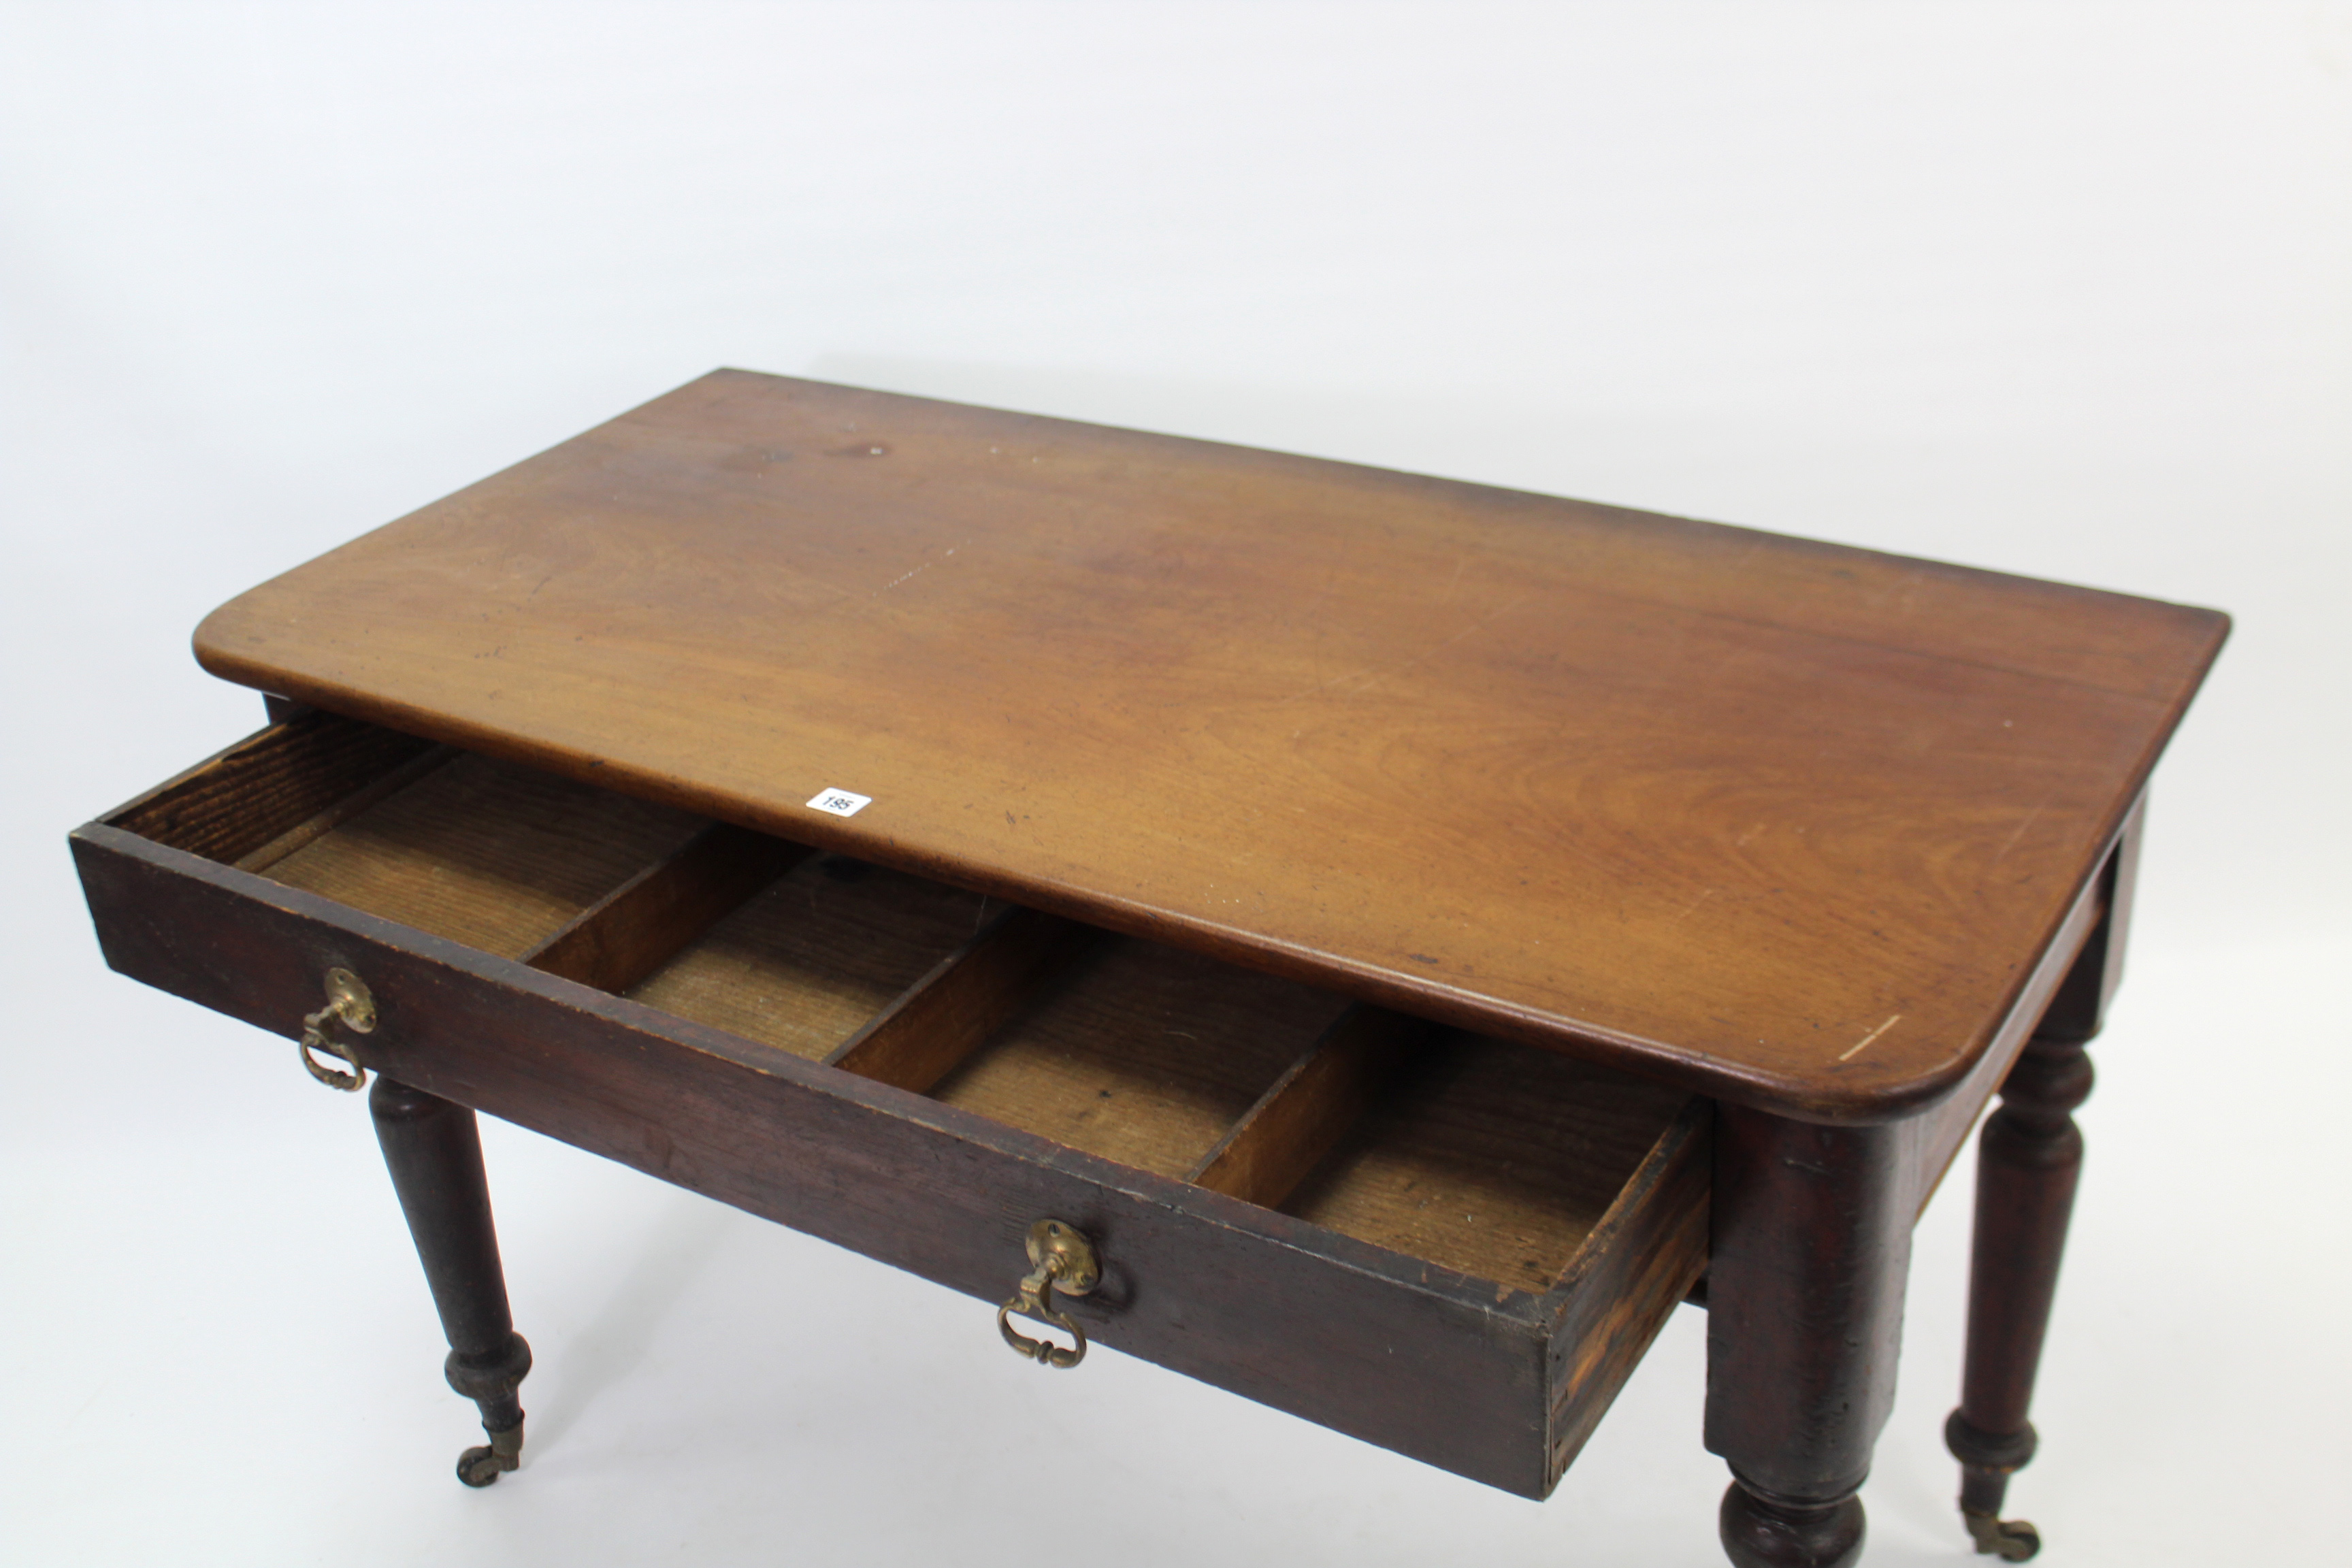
(1483, 1157)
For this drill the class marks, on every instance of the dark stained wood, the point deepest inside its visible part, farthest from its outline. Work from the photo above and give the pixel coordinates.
(434, 1154)
(487, 853)
(1760, 1531)
(642, 925)
(2079, 1009)
(234, 803)
(809, 961)
(2029, 1162)
(1627, 774)
(966, 997)
(1141, 1053)
(1634, 1268)
(1298, 1122)
(1395, 1350)
(1810, 1243)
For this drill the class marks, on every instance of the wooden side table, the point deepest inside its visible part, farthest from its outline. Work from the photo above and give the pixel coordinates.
(1159, 885)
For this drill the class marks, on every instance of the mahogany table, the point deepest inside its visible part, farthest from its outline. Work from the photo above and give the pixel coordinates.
(1371, 943)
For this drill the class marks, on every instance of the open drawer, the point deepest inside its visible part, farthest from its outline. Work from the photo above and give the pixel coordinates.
(1452, 1247)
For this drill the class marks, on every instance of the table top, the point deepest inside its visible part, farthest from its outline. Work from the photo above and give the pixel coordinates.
(1787, 822)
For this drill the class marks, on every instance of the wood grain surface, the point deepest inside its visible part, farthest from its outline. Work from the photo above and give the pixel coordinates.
(1141, 1054)
(1490, 1158)
(486, 853)
(938, 1022)
(1784, 821)
(252, 801)
(640, 925)
(1297, 1122)
(807, 962)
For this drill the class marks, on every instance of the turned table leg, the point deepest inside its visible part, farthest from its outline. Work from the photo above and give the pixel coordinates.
(2029, 1159)
(2027, 1162)
(1810, 1246)
(434, 1154)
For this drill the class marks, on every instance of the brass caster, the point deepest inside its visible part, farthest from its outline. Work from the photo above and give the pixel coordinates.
(2012, 1540)
(482, 1466)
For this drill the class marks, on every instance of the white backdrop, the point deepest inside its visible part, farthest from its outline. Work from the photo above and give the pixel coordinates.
(2059, 290)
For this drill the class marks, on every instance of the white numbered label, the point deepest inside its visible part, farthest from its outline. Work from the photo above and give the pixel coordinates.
(840, 802)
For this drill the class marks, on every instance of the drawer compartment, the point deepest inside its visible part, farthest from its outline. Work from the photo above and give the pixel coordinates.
(1452, 1247)
(1141, 1054)
(807, 961)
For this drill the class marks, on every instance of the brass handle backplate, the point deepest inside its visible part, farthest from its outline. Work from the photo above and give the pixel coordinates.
(1060, 1259)
(348, 1003)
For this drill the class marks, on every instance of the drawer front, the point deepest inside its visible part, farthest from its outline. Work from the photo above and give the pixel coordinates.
(1498, 1384)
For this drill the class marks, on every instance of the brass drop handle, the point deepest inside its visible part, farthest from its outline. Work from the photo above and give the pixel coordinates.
(349, 1001)
(1060, 1259)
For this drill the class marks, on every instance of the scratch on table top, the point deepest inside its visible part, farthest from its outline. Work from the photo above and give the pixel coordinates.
(903, 577)
(1855, 1049)
(2010, 842)
(1692, 908)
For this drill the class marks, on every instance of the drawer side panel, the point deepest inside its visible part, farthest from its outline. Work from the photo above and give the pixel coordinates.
(1638, 1265)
